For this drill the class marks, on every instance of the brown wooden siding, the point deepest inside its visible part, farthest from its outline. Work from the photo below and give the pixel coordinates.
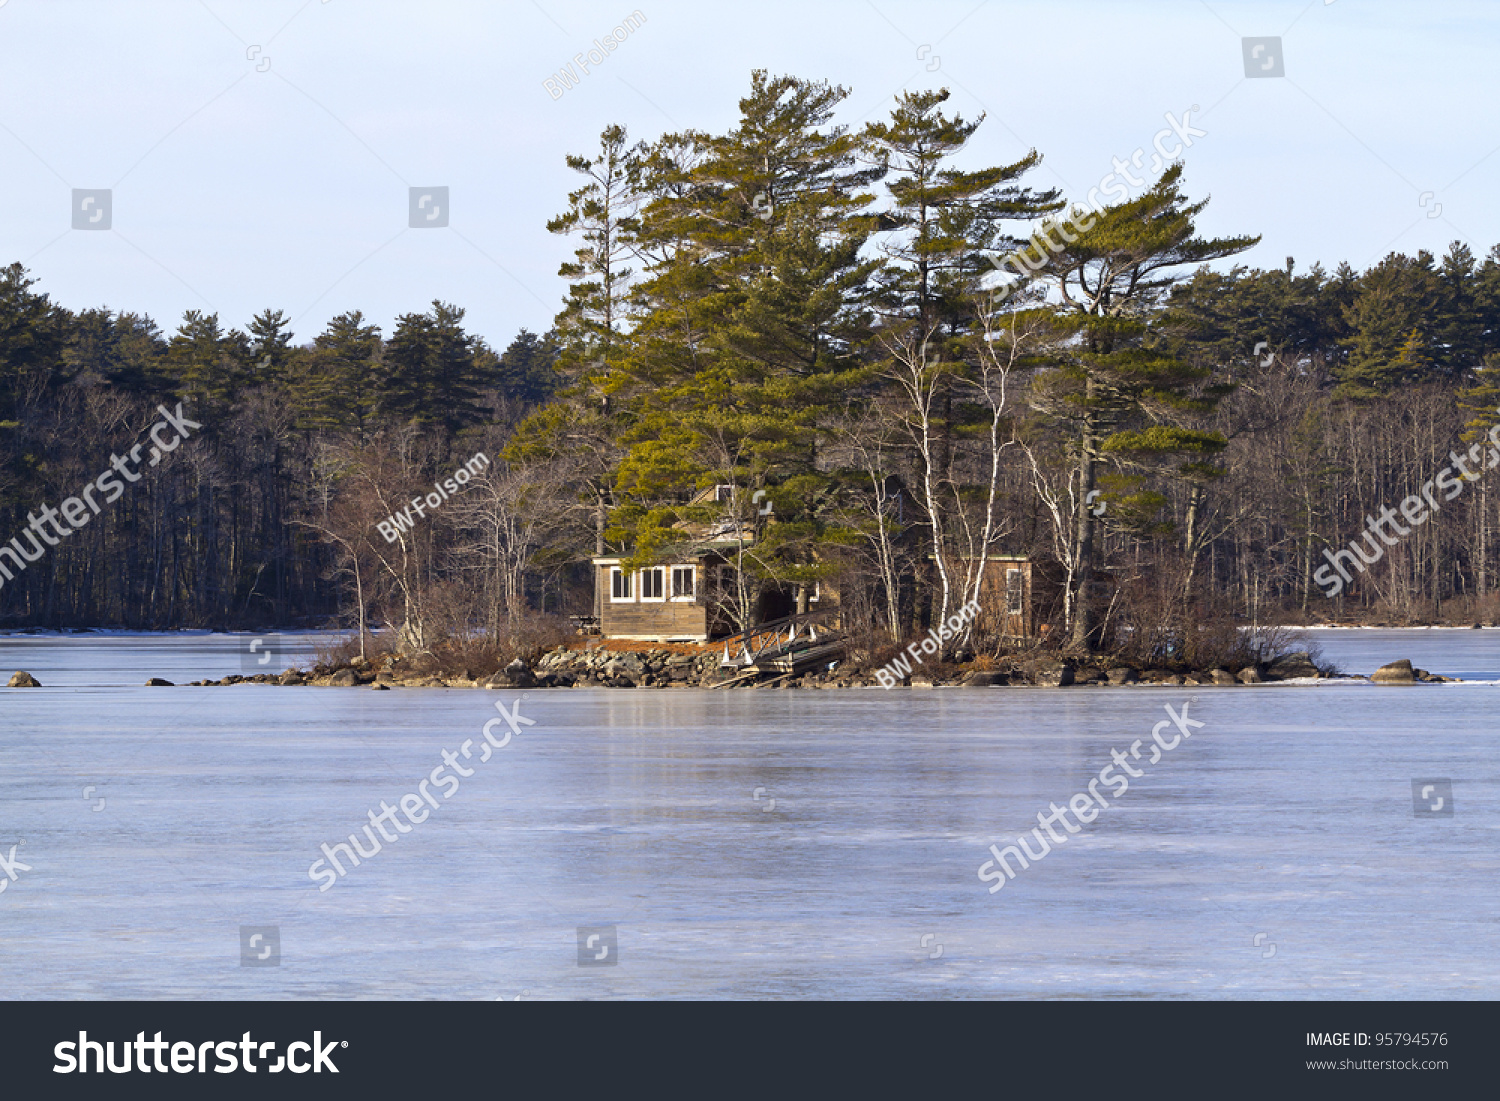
(653, 620)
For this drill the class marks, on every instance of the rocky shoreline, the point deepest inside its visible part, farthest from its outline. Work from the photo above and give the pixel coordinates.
(683, 667)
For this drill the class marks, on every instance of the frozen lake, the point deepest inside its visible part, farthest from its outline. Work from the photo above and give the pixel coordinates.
(1277, 853)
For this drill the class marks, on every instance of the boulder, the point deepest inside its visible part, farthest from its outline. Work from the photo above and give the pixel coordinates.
(1396, 672)
(1290, 666)
(986, 680)
(1222, 676)
(1251, 675)
(157, 682)
(1056, 675)
(23, 680)
(921, 682)
(344, 678)
(291, 676)
(1122, 674)
(380, 686)
(519, 674)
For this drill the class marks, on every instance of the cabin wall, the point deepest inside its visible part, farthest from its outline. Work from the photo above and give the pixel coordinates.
(648, 620)
(1003, 611)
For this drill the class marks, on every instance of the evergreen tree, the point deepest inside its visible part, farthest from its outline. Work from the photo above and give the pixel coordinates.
(945, 220)
(1397, 297)
(205, 363)
(754, 307)
(270, 345)
(431, 373)
(1106, 365)
(526, 370)
(603, 212)
(335, 385)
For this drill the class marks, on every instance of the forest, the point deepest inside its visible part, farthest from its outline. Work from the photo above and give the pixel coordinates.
(828, 314)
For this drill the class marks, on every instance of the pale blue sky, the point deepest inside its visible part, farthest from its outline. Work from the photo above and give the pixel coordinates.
(238, 185)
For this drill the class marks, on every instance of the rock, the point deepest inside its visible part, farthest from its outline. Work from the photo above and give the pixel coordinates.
(1122, 675)
(1222, 676)
(379, 686)
(519, 675)
(1251, 675)
(291, 676)
(631, 665)
(1290, 666)
(986, 680)
(23, 680)
(1396, 672)
(921, 682)
(157, 682)
(1057, 675)
(344, 678)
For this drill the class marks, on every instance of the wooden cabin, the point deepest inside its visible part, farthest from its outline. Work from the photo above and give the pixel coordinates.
(1018, 596)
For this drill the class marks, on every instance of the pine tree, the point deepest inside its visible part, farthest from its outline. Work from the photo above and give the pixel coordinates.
(603, 212)
(270, 345)
(1397, 297)
(754, 306)
(945, 219)
(1111, 273)
(207, 364)
(335, 384)
(430, 373)
(526, 372)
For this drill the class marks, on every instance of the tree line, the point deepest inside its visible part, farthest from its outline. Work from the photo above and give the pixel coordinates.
(834, 316)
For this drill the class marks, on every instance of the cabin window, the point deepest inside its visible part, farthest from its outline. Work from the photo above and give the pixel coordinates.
(653, 583)
(1015, 584)
(684, 579)
(619, 584)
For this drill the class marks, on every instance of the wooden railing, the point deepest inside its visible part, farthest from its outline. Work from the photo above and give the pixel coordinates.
(770, 635)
